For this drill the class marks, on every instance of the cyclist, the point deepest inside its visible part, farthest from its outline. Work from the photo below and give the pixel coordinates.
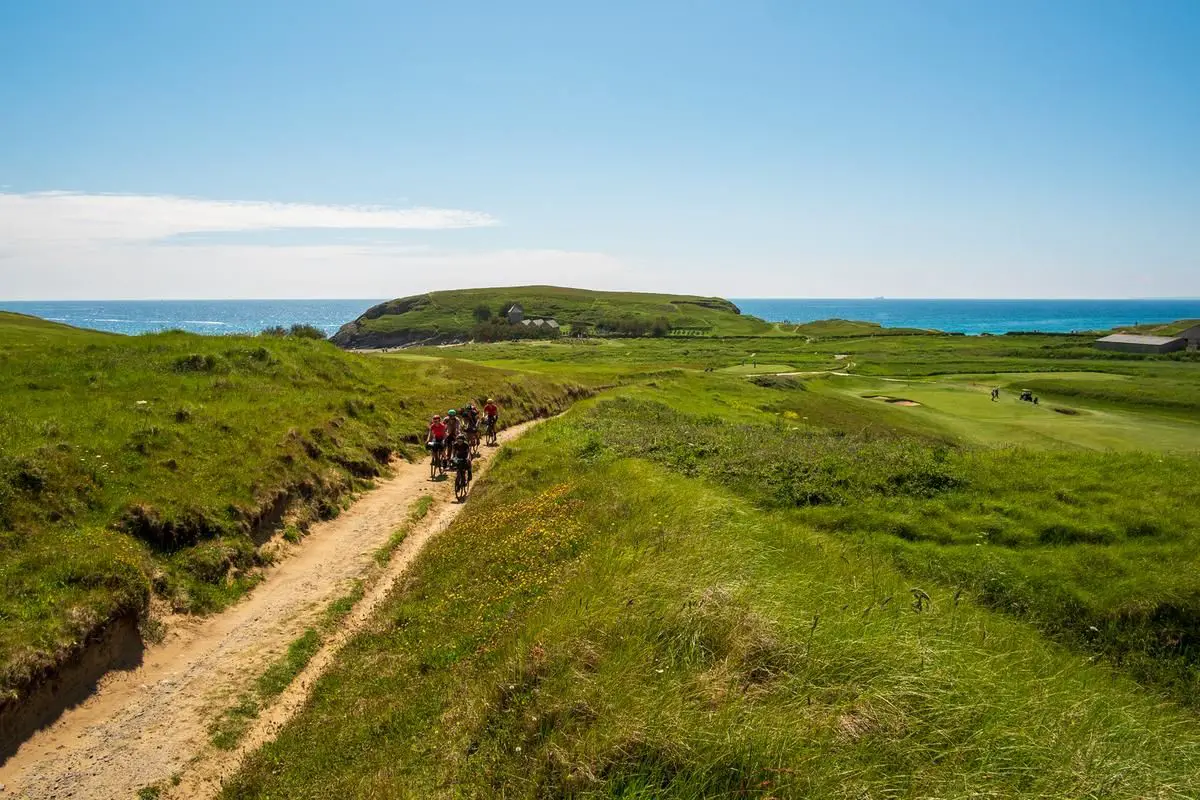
(471, 415)
(490, 414)
(460, 452)
(453, 425)
(436, 440)
(470, 424)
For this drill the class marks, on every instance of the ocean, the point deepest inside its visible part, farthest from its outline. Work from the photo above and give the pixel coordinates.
(980, 316)
(960, 316)
(199, 316)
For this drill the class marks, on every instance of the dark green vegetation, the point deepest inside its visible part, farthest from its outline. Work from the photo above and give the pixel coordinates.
(157, 465)
(456, 316)
(844, 328)
(706, 587)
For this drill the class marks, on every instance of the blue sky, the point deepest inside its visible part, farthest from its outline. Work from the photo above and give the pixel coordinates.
(783, 148)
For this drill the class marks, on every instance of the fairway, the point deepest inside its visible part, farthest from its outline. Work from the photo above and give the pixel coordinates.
(756, 369)
(964, 410)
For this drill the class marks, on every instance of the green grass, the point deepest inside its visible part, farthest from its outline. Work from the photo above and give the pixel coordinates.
(844, 328)
(228, 729)
(340, 608)
(897, 355)
(155, 464)
(453, 315)
(1072, 413)
(1044, 535)
(595, 624)
(711, 581)
(1170, 329)
(417, 513)
(280, 674)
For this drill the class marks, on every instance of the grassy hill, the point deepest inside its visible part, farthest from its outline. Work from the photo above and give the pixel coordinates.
(155, 465)
(1155, 329)
(849, 328)
(708, 588)
(455, 316)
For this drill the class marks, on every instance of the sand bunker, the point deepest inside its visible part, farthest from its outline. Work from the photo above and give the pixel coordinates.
(896, 401)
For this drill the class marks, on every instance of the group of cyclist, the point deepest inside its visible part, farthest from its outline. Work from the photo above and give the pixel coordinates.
(453, 439)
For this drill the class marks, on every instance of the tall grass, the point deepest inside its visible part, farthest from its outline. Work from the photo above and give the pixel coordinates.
(156, 464)
(1077, 543)
(614, 629)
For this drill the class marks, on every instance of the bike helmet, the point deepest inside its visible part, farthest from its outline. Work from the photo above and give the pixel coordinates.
(452, 413)
(490, 400)
(437, 417)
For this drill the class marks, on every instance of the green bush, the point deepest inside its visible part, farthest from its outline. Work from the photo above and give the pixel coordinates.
(306, 332)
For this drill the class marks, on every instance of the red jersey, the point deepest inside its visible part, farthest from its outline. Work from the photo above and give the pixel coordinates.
(490, 410)
(438, 430)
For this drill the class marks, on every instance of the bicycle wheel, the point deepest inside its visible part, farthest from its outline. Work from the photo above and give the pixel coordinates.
(460, 485)
(434, 457)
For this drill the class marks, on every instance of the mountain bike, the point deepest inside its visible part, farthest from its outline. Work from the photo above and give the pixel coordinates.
(462, 483)
(437, 464)
(473, 438)
(491, 431)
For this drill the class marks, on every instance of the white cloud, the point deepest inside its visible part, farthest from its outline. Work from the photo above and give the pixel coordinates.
(77, 217)
(135, 272)
(64, 245)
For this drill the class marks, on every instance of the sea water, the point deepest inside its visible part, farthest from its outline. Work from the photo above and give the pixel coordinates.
(980, 316)
(198, 316)
(961, 316)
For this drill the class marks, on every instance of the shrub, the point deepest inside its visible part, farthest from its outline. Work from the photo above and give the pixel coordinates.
(306, 332)
(196, 362)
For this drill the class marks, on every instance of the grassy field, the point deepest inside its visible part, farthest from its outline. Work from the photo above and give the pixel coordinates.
(1064, 417)
(456, 315)
(155, 465)
(713, 588)
(713, 579)
(897, 355)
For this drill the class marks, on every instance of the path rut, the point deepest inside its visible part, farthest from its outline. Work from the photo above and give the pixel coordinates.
(149, 725)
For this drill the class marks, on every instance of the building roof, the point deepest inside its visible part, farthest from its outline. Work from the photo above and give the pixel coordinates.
(1129, 338)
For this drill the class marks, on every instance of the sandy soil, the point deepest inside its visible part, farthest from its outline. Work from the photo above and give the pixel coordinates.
(150, 725)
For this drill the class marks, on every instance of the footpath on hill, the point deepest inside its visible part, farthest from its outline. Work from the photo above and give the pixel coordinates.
(150, 726)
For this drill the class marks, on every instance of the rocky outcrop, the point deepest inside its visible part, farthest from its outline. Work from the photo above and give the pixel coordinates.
(353, 336)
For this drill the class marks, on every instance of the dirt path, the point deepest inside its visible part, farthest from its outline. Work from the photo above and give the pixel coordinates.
(149, 725)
